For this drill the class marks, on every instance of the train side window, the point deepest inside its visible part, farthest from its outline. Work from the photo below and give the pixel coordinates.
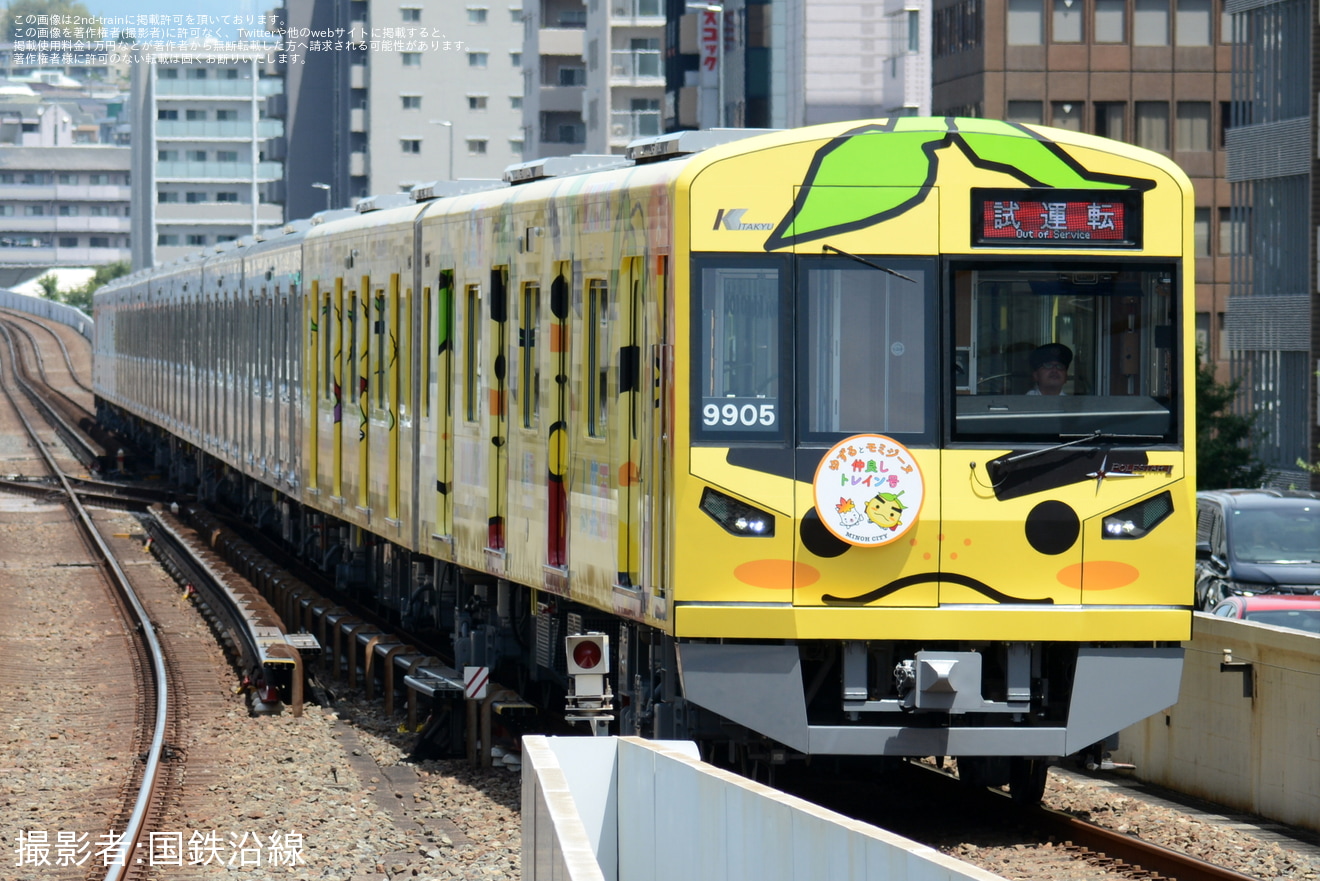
(741, 371)
(472, 352)
(598, 342)
(379, 357)
(531, 367)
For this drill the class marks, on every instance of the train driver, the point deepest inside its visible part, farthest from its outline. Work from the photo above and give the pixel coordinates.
(1049, 369)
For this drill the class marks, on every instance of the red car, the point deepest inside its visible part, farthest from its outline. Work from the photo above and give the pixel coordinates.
(1288, 610)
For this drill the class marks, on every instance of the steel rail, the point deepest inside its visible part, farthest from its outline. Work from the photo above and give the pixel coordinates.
(136, 824)
(85, 453)
(68, 361)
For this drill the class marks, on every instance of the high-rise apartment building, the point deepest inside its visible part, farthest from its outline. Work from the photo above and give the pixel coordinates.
(206, 155)
(383, 96)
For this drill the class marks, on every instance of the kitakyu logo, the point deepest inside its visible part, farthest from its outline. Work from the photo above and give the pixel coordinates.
(731, 218)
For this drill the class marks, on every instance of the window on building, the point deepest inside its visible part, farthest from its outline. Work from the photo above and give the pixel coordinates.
(411, 59)
(1193, 22)
(196, 239)
(476, 146)
(515, 15)
(1111, 21)
(913, 31)
(196, 115)
(6, 210)
(515, 59)
(98, 180)
(572, 76)
(1026, 22)
(167, 73)
(410, 13)
(411, 102)
(68, 241)
(6, 177)
(226, 155)
(1150, 23)
(478, 59)
(226, 197)
(195, 197)
(39, 178)
(1109, 119)
(67, 179)
(167, 114)
(1193, 130)
(226, 115)
(98, 210)
(196, 155)
(1201, 232)
(231, 73)
(1153, 125)
(68, 211)
(197, 73)
(476, 102)
(166, 196)
(225, 238)
(1029, 112)
(34, 210)
(516, 146)
(1232, 232)
(476, 15)
(1067, 114)
(411, 145)
(98, 242)
(167, 239)
(1067, 21)
(515, 102)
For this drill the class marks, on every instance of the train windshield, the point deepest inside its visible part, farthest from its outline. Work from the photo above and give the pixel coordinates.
(1049, 351)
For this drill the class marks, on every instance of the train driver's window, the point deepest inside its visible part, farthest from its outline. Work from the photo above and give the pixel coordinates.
(1064, 348)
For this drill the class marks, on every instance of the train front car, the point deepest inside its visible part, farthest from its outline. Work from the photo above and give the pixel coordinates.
(939, 491)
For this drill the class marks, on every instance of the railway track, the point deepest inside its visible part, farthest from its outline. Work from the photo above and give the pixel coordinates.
(143, 696)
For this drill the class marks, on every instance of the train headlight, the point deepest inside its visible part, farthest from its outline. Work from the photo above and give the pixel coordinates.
(737, 517)
(1139, 519)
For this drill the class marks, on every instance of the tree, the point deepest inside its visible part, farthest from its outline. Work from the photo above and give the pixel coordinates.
(1225, 455)
(17, 22)
(81, 296)
(50, 287)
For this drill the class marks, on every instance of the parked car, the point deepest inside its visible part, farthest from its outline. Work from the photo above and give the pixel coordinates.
(1251, 542)
(1280, 610)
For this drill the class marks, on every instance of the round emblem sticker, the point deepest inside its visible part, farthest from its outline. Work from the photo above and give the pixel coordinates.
(868, 490)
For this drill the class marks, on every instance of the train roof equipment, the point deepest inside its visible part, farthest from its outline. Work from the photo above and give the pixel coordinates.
(563, 166)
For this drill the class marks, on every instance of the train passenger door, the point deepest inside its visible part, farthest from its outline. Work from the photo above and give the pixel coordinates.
(654, 403)
(497, 427)
(441, 317)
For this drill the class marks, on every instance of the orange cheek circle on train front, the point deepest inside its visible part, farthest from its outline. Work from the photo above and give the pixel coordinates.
(776, 574)
(1098, 575)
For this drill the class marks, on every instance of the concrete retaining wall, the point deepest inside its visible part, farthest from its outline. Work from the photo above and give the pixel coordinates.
(625, 809)
(1259, 753)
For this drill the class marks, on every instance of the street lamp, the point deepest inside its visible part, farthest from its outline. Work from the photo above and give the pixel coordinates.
(449, 125)
(718, 9)
(325, 187)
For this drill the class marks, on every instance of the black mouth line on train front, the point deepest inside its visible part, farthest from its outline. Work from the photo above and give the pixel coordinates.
(928, 577)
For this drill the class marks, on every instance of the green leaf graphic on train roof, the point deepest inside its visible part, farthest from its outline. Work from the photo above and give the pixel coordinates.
(901, 166)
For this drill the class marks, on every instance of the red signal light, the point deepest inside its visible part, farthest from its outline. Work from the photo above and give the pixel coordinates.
(587, 654)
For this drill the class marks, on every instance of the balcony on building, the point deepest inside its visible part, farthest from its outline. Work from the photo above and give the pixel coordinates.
(636, 67)
(629, 125)
(639, 11)
(196, 171)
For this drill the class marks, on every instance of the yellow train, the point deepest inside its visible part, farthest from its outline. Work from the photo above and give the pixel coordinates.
(867, 438)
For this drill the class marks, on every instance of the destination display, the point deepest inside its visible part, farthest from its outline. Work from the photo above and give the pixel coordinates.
(1041, 218)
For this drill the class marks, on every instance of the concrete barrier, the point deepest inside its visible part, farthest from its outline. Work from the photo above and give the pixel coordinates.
(1245, 732)
(626, 809)
(44, 308)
